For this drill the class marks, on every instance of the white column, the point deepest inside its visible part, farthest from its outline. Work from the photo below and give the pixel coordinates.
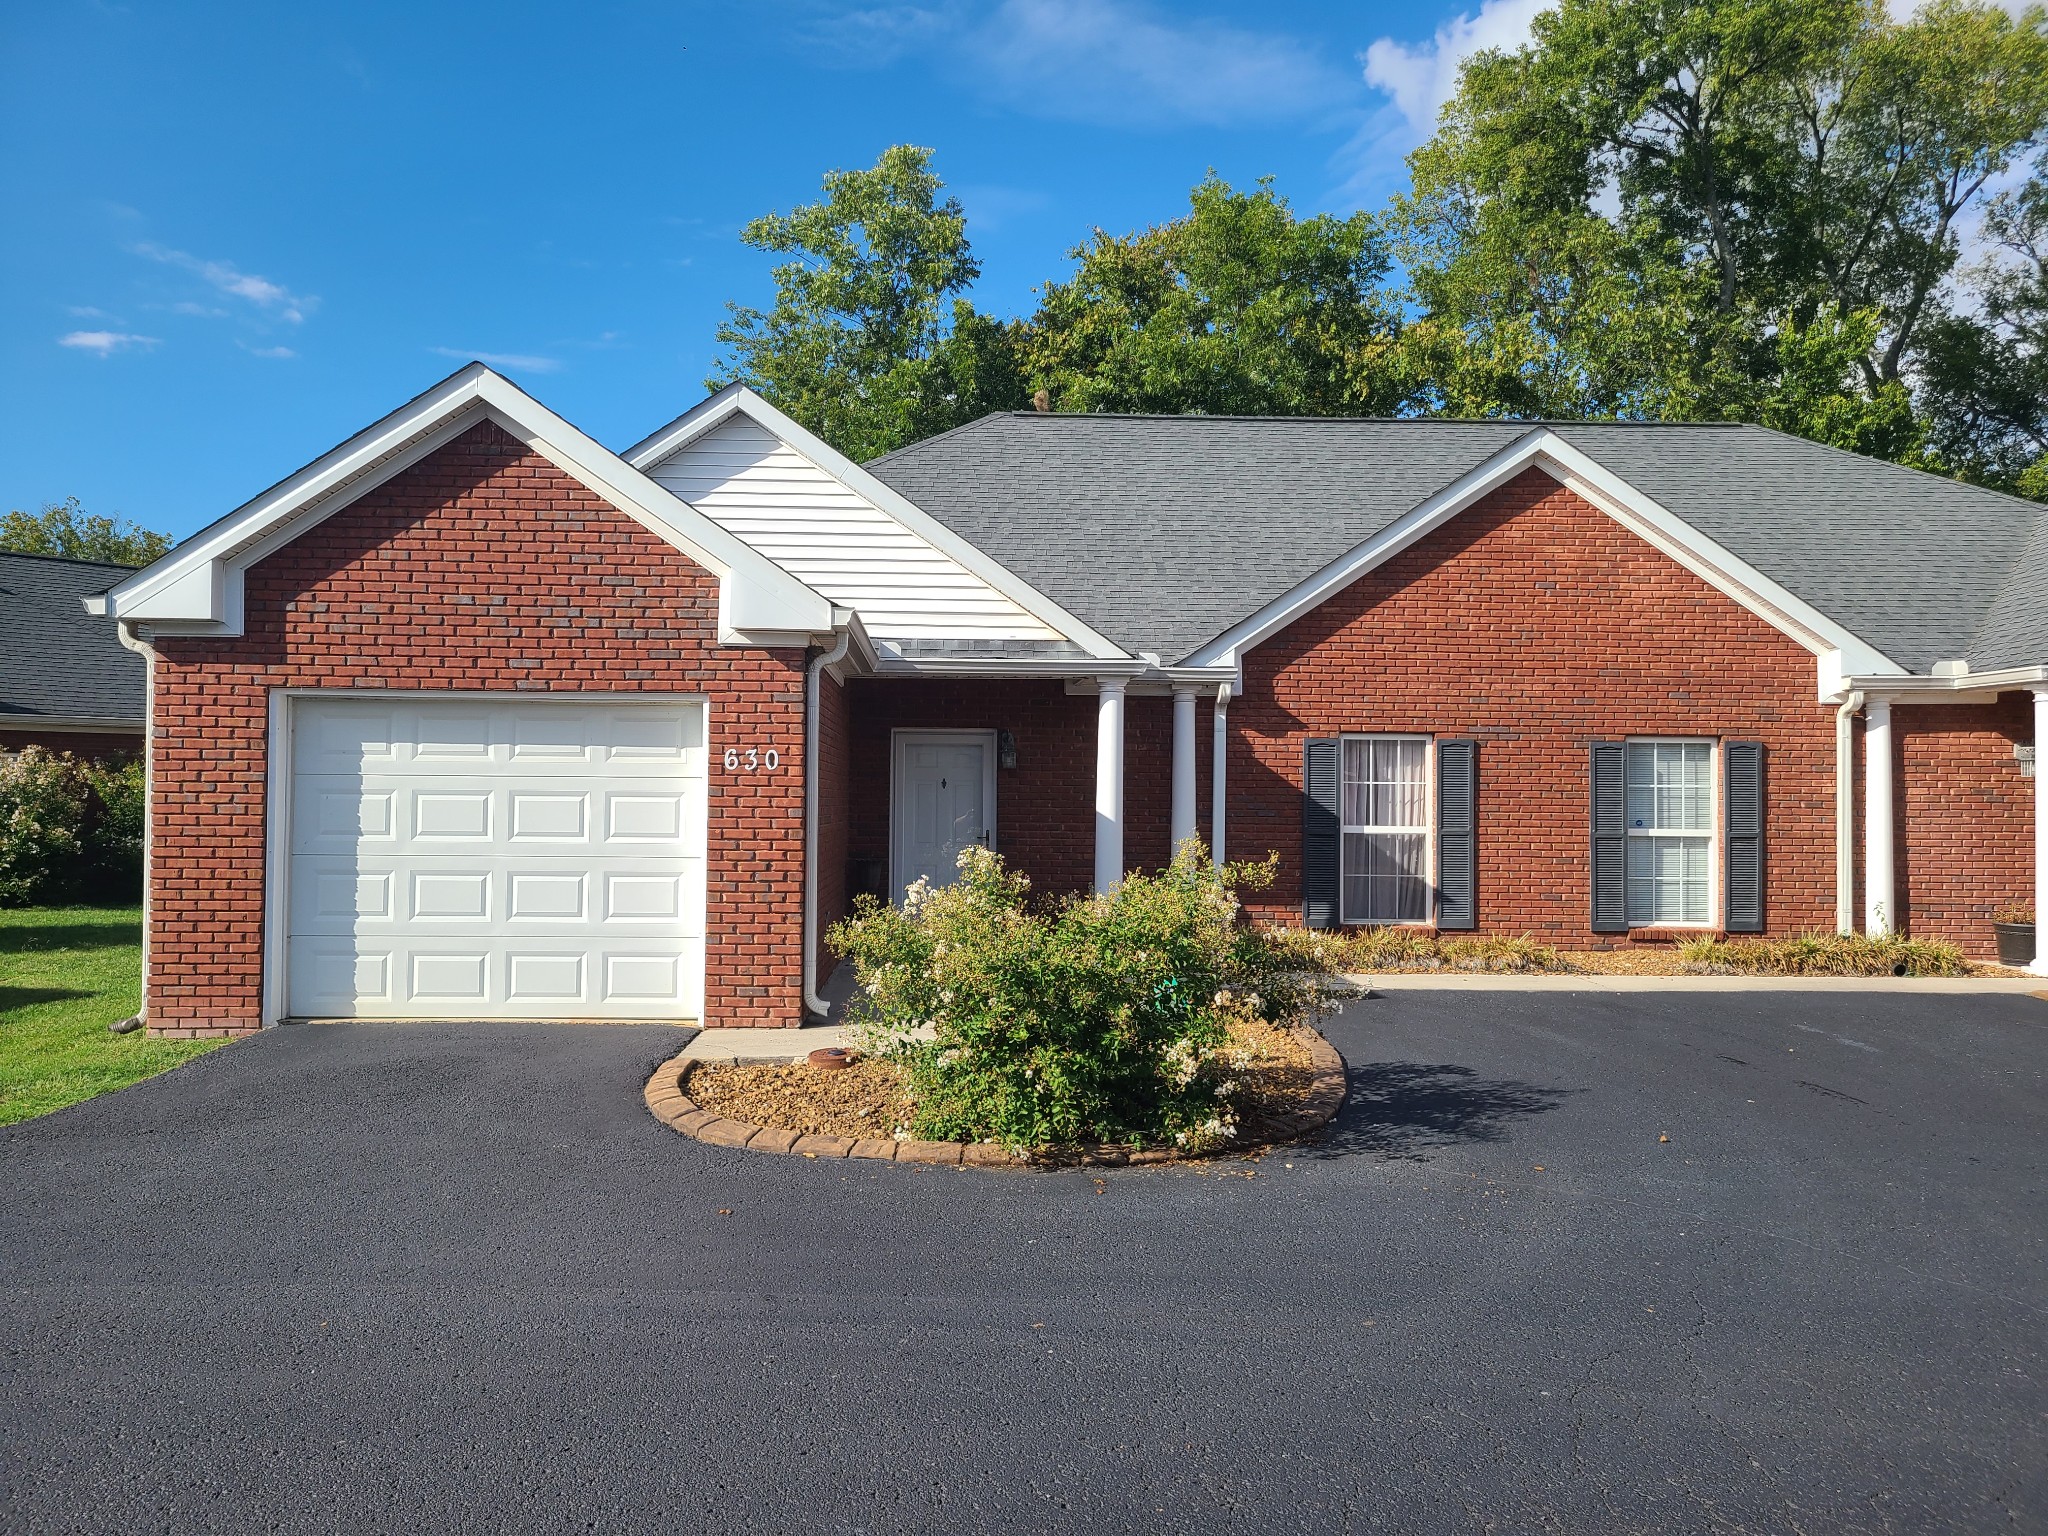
(2040, 965)
(1879, 909)
(1109, 784)
(1183, 766)
(1221, 750)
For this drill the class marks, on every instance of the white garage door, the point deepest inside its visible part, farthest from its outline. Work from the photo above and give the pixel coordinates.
(464, 859)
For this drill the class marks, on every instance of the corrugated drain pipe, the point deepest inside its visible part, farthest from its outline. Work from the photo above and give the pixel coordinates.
(1845, 813)
(814, 1004)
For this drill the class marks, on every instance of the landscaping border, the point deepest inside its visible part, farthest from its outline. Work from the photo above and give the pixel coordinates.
(674, 1108)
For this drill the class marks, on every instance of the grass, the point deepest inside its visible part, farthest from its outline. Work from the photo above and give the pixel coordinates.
(65, 974)
(1825, 954)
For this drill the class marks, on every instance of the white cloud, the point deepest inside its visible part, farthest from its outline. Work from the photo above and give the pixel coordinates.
(1420, 78)
(1106, 61)
(205, 311)
(267, 351)
(271, 298)
(104, 343)
(523, 361)
(87, 312)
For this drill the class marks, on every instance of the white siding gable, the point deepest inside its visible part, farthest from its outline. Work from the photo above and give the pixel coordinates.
(745, 479)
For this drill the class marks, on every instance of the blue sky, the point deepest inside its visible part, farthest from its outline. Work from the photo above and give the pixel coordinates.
(245, 231)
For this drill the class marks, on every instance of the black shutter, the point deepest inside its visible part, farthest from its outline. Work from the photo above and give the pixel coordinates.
(1610, 837)
(1457, 829)
(1321, 831)
(1742, 814)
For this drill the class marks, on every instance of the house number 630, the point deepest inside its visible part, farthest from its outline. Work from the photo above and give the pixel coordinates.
(738, 761)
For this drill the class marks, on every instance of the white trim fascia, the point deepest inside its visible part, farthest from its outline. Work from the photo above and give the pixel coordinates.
(1012, 666)
(200, 584)
(1966, 688)
(84, 725)
(737, 399)
(1839, 650)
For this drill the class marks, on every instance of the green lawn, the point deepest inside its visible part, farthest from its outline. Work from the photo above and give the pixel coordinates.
(65, 974)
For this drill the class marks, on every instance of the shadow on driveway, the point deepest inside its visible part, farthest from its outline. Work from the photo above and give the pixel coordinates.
(1405, 1109)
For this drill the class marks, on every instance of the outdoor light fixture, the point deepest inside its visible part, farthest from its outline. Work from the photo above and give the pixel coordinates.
(1006, 750)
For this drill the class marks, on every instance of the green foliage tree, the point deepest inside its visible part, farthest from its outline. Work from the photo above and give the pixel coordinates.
(1986, 375)
(1237, 307)
(1683, 208)
(65, 528)
(869, 343)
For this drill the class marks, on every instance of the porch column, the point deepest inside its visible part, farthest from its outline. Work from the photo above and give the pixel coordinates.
(1109, 784)
(2040, 965)
(1221, 750)
(1183, 766)
(1880, 914)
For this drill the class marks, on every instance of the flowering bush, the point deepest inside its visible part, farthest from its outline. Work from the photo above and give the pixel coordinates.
(1101, 1018)
(68, 828)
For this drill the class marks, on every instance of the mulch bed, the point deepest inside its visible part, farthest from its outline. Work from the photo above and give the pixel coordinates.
(1290, 1081)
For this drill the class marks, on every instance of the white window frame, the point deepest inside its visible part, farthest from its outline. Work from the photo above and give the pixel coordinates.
(1715, 842)
(1427, 829)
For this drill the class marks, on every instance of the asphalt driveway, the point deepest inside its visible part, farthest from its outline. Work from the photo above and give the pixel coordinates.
(451, 1278)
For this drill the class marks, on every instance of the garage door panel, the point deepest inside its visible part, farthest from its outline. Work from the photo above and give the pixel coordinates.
(522, 861)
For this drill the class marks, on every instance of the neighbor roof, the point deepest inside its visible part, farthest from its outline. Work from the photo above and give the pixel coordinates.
(56, 660)
(1162, 532)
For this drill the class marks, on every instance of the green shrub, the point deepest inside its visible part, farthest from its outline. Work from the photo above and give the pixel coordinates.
(1821, 953)
(1099, 1018)
(1419, 949)
(44, 809)
(68, 829)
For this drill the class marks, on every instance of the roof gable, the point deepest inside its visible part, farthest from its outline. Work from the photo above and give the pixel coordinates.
(198, 586)
(756, 472)
(1168, 533)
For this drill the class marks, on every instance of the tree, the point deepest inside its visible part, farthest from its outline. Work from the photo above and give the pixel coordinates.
(869, 343)
(1986, 376)
(64, 528)
(1237, 307)
(1662, 207)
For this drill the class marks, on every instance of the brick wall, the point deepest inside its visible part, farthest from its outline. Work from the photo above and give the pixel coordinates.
(481, 567)
(95, 746)
(1964, 839)
(1536, 625)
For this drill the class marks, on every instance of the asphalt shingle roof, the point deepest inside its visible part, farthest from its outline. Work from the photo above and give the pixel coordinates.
(55, 658)
(1163, 531)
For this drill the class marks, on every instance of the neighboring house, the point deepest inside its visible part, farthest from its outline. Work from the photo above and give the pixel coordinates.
(474, 717)
(66, 681)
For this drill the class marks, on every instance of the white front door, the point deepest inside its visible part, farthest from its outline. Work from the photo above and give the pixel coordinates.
(457, 857)
(944, 799)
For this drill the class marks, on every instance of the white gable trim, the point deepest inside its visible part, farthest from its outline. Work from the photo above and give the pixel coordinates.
(1839, 650)
(197, 588)
(737, 399)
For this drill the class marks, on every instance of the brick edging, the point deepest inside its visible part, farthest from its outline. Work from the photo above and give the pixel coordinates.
(667, 1102)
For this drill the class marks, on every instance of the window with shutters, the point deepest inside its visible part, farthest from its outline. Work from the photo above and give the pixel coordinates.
(1670, 834)
(1386, 829)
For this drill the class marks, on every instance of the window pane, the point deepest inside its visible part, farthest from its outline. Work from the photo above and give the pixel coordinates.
(1670, 786)
(1386, 877)
(1353, 808)
(1385, 782)
(1667, 879)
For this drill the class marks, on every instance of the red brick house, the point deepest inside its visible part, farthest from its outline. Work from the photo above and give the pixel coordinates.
(474, 717)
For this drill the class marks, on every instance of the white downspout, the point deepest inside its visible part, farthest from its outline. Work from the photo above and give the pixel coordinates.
(812, 1002)
(1880, 913)
(1221, 750)
(2040, 965)
(126, 631)
(1845, 813)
